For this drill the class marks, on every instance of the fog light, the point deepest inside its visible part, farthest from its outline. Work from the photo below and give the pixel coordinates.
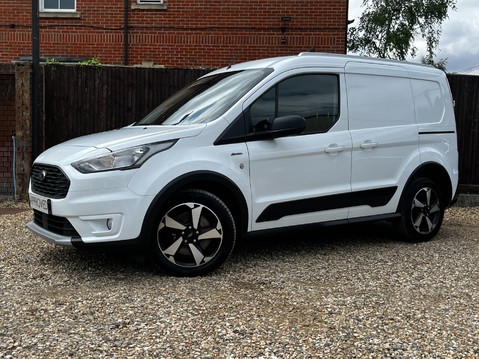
(109, 223)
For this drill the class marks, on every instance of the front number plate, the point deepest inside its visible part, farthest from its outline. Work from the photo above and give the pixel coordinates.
(39, 203)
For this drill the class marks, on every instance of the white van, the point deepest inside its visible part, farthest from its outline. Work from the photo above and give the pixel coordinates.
(262, 145)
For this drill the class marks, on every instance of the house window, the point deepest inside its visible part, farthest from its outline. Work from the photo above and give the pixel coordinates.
(57, 5)
(149, 2)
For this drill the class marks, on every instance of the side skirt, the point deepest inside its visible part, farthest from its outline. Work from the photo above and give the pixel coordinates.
(343, 222)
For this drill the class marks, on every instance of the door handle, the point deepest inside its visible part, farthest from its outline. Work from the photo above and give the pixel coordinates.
(334, 148)
(366, 145)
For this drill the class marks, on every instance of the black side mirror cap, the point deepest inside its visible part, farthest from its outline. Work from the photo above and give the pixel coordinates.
(288, 125)
(281, 127)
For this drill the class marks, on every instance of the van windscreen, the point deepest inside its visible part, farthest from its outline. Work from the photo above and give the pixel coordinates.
(204, 100)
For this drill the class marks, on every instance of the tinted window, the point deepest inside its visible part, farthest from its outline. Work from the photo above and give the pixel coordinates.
(315, 97)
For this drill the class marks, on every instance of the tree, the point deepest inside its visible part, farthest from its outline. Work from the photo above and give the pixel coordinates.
(387, 28)
(440, 64)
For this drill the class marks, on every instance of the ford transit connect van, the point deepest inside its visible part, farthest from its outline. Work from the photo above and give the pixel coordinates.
(262, 145)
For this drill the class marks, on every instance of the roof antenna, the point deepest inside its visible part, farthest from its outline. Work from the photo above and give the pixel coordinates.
(233, 61)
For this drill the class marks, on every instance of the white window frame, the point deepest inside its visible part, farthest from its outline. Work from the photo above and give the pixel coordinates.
(42, 7)
(149, 2)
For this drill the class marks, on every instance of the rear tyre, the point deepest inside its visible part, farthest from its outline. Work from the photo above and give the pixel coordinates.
(421, 211)
(193, 235)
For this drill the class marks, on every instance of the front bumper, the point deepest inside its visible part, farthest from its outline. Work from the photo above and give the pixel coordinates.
(92, 217)
(50, 236)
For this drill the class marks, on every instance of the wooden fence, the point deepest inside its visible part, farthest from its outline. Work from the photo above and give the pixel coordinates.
(465, 90)
(81, 100)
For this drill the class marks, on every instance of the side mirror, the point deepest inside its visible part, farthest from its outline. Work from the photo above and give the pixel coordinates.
(288, 125)
(281, 127)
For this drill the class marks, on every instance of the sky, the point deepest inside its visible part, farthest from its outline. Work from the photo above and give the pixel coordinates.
(459, 42)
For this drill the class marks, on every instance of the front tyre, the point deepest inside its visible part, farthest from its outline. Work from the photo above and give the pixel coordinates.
(421, 211)
(193, 235)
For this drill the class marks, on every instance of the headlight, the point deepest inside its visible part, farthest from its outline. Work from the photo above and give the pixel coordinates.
(121, 160)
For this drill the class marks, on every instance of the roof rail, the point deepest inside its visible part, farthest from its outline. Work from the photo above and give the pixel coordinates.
(313, 52)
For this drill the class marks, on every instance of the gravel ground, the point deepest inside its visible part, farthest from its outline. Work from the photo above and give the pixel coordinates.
(347, 292)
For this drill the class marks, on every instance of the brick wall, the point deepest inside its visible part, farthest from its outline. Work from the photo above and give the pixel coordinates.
(7, 128)
(202, 33)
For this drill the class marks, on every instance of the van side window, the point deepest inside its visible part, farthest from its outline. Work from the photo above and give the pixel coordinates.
(379, 101)
(315, 97)
(428, 101)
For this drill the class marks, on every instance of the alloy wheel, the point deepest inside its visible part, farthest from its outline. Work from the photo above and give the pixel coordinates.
(190, 235)
(425, 210)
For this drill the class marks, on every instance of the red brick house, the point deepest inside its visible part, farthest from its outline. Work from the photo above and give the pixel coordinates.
(173, 33)
(170, 33)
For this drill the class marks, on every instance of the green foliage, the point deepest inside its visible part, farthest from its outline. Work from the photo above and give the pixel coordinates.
(440, 64)
(387, 28)
(90, 62)
(51, 61)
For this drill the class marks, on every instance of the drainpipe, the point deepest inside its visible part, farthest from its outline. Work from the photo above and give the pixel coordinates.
(125, 34)
(347, 24)
(35, 79)
(14, 167)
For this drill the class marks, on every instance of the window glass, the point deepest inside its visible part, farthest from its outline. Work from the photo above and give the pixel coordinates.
(58, 4)
(428, 101)
(314, 97)
(263, 111)
(205, 99)
(67, 4)
(379, 101)
(50, 4)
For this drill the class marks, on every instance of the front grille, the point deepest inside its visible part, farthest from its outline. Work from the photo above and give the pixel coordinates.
(58, 225)
(49, 181)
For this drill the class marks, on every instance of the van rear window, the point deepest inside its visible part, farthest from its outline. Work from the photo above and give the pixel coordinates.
(428, 101)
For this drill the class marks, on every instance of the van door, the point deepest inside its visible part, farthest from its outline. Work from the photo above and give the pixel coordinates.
(384, 135)
(304, 178)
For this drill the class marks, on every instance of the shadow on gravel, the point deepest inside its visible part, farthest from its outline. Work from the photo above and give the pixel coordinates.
(101, 260)
(120, 261)
(320, 238)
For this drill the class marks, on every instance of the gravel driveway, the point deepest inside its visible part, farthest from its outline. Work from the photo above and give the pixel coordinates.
(347, 292)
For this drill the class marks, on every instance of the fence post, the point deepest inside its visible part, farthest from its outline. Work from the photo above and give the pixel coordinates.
(23, 119)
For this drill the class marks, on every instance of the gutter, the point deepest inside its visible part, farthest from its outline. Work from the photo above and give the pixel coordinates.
(125, 34)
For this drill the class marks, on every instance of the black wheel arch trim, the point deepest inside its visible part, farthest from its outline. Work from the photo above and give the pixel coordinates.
(183, 181)
(427, 170)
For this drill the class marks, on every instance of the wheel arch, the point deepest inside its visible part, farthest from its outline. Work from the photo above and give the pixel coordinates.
(213, 182)
(434, 172)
